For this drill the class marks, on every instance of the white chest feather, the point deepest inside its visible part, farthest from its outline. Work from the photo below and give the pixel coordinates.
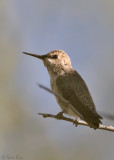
(53, 83)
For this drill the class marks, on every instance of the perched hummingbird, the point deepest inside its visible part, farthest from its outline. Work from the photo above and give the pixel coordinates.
(74, 96)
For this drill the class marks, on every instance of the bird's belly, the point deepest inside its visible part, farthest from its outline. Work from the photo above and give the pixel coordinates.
(64, 104)
(66, 108)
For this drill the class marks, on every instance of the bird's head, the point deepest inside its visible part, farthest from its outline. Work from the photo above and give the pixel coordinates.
(56, 61)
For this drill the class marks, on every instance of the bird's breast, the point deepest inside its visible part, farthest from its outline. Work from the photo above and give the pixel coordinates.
(53, 79)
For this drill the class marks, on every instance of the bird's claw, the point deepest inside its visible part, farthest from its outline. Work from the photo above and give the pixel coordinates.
(59, 115)
(75, 122)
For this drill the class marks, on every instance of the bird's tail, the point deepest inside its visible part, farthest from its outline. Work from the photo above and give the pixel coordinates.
(95, 121)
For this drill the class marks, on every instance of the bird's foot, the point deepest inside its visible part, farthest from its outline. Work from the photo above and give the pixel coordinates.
(75, 122)
(59, 115)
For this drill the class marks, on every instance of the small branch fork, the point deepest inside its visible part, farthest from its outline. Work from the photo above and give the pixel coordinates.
(78, 122)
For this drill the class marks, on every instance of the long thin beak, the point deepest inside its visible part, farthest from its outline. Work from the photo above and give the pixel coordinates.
(35, 55)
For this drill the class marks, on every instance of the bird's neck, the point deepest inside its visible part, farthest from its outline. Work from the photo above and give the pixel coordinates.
(58, 70)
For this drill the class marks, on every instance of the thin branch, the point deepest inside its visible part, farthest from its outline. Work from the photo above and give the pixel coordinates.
(78, 122)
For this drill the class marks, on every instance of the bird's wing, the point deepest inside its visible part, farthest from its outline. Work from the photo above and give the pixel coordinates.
(76, 92)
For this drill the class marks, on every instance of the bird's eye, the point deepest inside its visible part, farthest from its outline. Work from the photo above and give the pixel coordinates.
(55, 56)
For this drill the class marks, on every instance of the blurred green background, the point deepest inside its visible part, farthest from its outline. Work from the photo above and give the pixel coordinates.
(85, 30)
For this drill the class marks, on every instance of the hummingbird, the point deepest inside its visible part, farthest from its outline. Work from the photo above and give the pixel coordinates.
(74, 97)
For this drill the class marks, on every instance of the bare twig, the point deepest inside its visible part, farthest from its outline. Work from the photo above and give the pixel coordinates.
(78, 122)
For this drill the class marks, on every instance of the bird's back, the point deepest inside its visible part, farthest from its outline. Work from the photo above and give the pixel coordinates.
(73, 88)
